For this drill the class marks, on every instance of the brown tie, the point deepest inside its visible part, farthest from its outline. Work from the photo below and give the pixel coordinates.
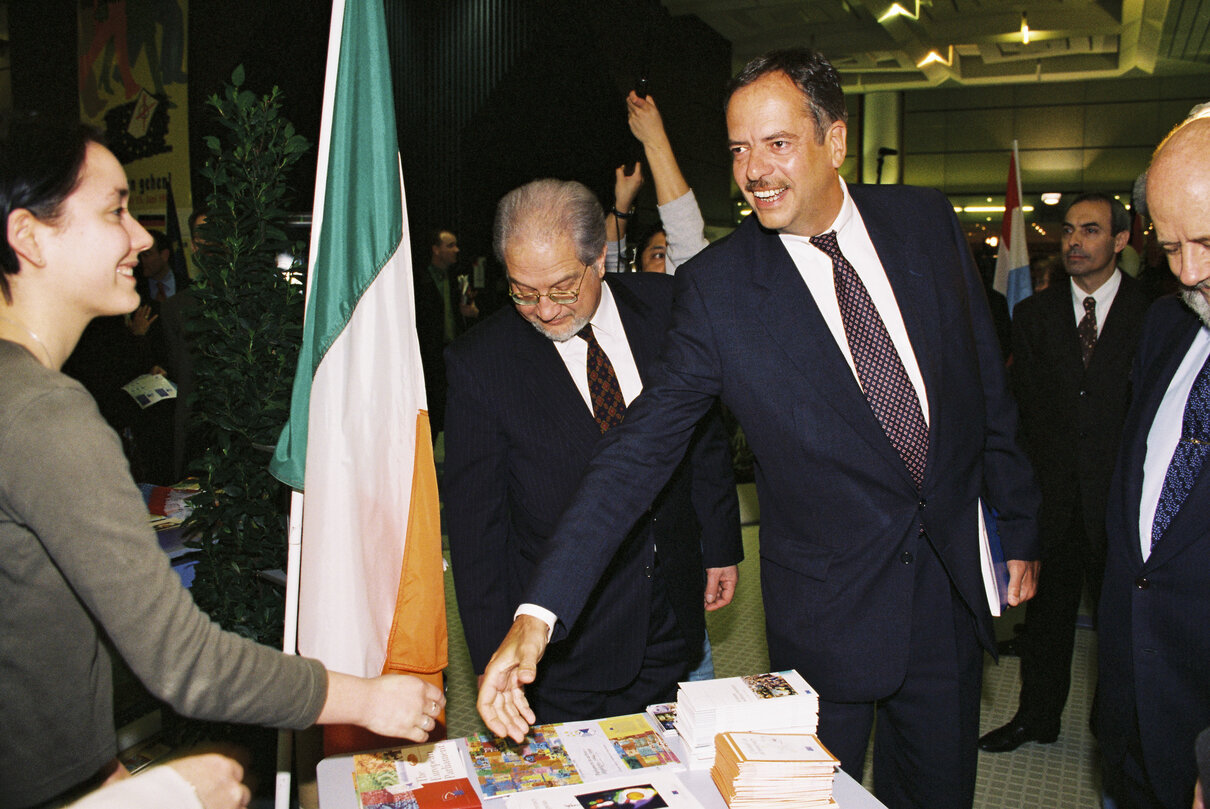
(1087, 330)
(608, 406)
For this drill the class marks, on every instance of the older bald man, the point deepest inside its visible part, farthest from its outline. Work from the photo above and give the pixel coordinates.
(1154, 646)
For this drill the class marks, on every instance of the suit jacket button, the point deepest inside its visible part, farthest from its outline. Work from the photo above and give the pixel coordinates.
(1142, 583)
(907, 557)
(922, 503)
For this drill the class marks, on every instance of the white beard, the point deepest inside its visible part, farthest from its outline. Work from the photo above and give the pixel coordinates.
(1195, 299)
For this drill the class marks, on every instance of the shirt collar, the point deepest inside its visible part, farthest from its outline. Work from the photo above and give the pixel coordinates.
(844, 218)
(1103, 295)
(607, 319)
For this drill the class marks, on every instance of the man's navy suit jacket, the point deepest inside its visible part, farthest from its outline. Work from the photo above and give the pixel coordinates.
(841, 519)
(519, 437)
(1153, 625)
(1072, 416)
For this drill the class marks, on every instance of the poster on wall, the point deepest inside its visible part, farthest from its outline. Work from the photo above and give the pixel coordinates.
(134, 87)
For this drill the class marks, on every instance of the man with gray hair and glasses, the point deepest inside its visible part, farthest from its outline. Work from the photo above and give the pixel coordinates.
(532, 392)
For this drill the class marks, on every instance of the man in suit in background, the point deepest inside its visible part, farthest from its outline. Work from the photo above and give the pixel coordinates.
(847, 329)
(1153, 685)
(531, 393)
(442, 313)
(1073, 345)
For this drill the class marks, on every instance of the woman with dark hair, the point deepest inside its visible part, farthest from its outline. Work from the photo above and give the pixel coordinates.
(80, 569)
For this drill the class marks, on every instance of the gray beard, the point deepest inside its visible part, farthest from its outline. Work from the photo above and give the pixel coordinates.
(577, 324)
(1196, 301)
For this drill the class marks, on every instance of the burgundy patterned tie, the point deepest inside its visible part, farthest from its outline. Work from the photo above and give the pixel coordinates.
(608, 406)
(886, 384)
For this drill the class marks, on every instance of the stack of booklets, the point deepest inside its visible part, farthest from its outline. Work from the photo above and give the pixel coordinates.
(773, 770)
(758, 702)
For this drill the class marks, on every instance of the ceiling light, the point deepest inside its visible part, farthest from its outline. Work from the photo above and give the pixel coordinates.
(1052, 197)
(897, 10)
(932, 56)
(1024, 28)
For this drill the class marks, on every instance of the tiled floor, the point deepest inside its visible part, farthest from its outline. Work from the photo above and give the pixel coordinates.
(1055, 776)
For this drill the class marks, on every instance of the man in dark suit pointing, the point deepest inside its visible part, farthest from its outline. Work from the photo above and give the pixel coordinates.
(532, 392)
(847, 329)
(1073, 345)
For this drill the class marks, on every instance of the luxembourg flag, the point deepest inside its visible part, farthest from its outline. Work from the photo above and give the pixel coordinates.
(1012, 277)
(370, 587)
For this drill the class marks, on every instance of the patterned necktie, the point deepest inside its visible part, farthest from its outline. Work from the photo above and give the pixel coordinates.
(883, 378)
(608, 406)
(1188, 457)
(1087, 330)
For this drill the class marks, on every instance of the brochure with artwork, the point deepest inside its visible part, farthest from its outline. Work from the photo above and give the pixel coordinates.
(664, 714)
(567, 754)
(648, 790)
(415, 777)
(148, 389)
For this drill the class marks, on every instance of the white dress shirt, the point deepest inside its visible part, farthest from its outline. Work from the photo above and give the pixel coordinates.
(1103, 295)
(607, 327)
(816, 269)
(1165, 433)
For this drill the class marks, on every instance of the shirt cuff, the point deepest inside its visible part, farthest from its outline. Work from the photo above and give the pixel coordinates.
(541, 613)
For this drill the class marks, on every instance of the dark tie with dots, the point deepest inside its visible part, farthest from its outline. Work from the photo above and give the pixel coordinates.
(608, 406)
(1087, 330)
(883, 378)
(1188, 457)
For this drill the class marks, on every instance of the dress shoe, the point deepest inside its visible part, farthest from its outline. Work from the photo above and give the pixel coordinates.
(1014, 734)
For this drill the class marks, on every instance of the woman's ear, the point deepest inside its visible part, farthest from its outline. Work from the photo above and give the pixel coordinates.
(23, 229)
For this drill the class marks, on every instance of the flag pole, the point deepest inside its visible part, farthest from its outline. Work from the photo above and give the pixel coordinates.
(294, 524)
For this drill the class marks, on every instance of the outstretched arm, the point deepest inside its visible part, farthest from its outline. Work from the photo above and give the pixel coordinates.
(502, 702)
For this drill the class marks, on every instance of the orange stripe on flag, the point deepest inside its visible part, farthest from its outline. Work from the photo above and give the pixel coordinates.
(418, 643)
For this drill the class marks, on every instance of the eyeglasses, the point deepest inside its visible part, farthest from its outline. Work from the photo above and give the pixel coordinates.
(563, 297)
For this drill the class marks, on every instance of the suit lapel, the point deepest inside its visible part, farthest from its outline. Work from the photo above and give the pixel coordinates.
(1113, 338)
(549, 387)
(633, 311)
(909, 269)
(808, 343)
(1058, 310)
(1151, 393)
(1188, 523)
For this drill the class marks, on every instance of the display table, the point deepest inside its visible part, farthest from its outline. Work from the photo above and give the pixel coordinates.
(335, 783)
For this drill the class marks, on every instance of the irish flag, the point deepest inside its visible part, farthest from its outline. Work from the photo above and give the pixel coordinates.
(370, 583)
(1012, 259)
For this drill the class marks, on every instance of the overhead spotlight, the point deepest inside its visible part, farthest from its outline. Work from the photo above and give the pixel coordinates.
(897, 10)
(932, 56)
(1024, 28)
(1052, 197)
(992, 241)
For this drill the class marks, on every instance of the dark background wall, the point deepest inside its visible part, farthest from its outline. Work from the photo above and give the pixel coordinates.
(489, 93)
(493, 93)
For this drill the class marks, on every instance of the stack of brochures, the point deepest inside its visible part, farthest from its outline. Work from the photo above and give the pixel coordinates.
(758, 702)
(773, 770)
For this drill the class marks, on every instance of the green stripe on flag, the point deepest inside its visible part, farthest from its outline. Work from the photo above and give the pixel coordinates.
(362, 223)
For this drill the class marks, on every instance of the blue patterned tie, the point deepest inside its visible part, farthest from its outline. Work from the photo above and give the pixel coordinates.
(1188, 457)
(883, 378)
(608, 406)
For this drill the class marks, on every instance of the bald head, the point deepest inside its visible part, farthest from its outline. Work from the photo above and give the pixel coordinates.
(1178, 198)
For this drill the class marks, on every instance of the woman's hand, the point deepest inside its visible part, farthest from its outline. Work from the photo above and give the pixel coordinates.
(396, 705)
